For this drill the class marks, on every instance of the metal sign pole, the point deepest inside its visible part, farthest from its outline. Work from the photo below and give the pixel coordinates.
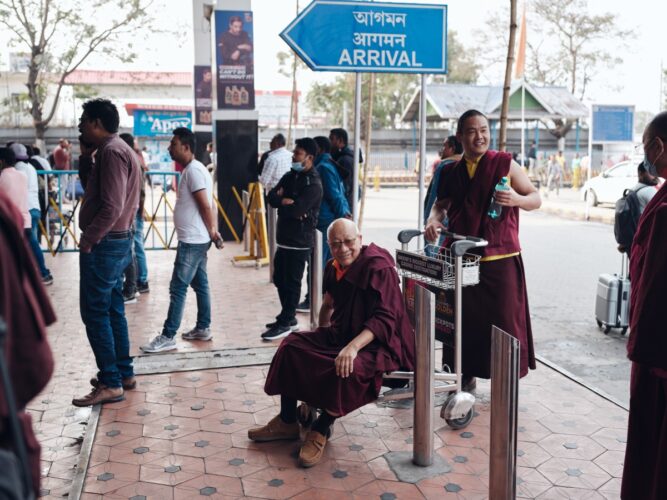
(590, 160)
(357, 147)
(422, 451)
(422, 151)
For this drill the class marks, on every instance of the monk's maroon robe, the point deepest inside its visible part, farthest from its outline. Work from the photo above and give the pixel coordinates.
(645, 468)
(367, 296)
(500, 298)
(26, 309)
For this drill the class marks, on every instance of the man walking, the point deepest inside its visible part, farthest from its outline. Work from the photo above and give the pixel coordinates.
(111, 199)
(297, 197)
(196, 229)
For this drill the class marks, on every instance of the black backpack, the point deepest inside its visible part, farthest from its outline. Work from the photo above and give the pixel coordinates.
(626, 218)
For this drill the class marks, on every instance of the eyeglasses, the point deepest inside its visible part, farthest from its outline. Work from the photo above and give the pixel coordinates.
(337, 244)
(639, 149)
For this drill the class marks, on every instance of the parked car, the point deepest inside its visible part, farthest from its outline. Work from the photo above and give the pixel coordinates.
(610, 184)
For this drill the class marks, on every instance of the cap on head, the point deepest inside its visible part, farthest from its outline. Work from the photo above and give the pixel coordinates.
(19, 150)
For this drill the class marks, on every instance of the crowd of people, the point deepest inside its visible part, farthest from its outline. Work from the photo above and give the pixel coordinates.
(363, 331)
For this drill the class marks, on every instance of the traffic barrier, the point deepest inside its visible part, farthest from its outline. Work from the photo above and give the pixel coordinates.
(254, 216)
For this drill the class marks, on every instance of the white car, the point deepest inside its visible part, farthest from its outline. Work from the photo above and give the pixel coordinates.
(610, 184)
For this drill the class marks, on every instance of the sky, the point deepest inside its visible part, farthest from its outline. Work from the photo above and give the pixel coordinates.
(635, 82)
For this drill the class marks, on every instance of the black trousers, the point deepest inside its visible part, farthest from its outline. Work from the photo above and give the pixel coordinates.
(288, 270)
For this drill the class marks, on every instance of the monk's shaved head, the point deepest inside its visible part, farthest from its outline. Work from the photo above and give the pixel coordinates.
(344, 241)
(344, 225)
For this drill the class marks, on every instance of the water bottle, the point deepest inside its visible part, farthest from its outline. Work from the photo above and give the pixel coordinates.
(494, 208)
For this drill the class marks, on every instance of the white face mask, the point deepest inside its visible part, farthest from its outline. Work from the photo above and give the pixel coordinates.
(297, 166)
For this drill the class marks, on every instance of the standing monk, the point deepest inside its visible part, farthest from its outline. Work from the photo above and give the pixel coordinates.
(645, 470)
(464, 194)
(364, 332)
(112, 176)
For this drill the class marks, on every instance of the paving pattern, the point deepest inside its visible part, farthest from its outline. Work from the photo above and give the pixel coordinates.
(183, 435)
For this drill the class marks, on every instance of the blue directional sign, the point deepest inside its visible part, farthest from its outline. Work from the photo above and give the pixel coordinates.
(339, 35)
(613, 123)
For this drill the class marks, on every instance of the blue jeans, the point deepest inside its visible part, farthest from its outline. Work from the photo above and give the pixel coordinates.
(189, 270)
(33, 239)
(103, 310)
(139, 253)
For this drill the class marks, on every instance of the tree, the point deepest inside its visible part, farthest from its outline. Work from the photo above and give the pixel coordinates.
(60, 35)
(392, 90)
(567, 46)
(508, 77)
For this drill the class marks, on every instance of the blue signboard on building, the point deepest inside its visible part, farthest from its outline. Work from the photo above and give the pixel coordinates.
(338, 35)
(160, 123)
(613, 123)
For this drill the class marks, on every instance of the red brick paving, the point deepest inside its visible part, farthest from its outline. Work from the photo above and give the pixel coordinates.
(184, 435)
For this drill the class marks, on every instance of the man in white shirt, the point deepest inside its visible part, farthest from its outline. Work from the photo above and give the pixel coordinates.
(277, 164)
(196, 229)
(22, 165)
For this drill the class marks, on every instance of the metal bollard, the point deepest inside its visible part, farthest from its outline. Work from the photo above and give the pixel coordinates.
(316, 281)
(271, 227)
(422, 451)
(504, 404)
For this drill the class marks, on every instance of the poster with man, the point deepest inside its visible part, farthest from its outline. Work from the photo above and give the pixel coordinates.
(203, 104)
(234, 58)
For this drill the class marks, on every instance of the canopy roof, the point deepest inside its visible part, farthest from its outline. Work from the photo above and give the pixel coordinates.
(448, 101)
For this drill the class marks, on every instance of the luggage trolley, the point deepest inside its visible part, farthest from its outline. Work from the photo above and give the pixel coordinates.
(445, 268)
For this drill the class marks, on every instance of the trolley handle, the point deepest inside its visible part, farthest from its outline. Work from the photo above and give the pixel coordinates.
(459, 247)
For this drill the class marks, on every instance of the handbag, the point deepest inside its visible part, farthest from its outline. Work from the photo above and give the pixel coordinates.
(15, 479)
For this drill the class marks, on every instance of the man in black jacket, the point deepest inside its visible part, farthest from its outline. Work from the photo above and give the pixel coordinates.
(344, 157)
(297, 197)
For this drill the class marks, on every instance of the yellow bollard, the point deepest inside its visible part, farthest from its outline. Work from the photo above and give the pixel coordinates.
(376, 178)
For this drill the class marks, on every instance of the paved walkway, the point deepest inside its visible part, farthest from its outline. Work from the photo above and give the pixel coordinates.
(183, 435)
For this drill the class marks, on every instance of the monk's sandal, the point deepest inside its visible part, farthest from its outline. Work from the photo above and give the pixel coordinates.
(275, 430)
(312, 449)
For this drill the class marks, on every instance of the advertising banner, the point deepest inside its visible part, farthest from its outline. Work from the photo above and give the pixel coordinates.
(160, 123)
(234, 59)
(203, 87)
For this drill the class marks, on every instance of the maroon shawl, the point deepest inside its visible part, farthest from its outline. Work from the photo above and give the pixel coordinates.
(470, 200)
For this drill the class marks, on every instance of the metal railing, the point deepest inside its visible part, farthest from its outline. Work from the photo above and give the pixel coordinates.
(316, 281)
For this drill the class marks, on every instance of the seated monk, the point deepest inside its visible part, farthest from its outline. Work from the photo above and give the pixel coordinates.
(364, 332)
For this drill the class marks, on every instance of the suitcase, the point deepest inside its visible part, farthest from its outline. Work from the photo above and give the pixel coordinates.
(612, 303)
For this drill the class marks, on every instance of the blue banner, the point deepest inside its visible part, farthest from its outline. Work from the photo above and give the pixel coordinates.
(148, 123)
(613, 123)
(338, 35)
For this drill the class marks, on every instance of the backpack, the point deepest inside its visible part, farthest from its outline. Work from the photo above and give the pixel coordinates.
(626, 217)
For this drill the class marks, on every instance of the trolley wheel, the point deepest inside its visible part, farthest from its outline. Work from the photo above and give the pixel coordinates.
(624, 330)
(599, 323)
(306, 415)
(607, 329)
(460, 423)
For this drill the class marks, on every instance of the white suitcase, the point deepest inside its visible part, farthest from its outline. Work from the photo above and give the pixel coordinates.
(612, 303)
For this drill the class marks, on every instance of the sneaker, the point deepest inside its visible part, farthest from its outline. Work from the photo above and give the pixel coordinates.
(198, 334)
(468, 384)
(159, 344)
(130, 298)
(143, 287)
(294, 325)
(303, 307)
(47, 280)
(276, 332)
(100, 395)
(312, 450)
(275, 430)
(129, 383)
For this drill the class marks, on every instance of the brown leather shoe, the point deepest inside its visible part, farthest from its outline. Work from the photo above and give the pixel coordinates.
(312, 450)
(275, 430)
(99, 395)
(129, 383)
